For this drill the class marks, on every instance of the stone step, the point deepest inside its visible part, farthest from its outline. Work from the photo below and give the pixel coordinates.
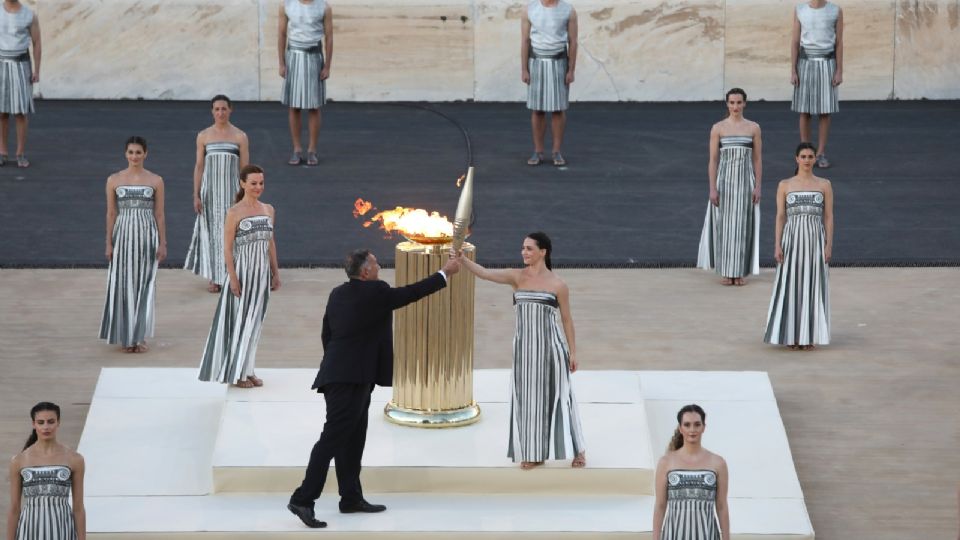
(418, 515)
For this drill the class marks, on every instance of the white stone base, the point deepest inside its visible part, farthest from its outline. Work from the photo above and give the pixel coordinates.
(171, 457)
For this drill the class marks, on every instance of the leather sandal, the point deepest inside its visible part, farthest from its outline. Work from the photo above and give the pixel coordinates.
(22, 161)
(312, 160)
(535, 159)
(295, 159)
(558, 160)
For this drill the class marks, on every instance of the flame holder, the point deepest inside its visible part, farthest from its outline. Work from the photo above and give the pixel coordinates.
(433, 344)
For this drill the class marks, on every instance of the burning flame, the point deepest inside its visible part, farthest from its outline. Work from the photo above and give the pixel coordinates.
(414, 223)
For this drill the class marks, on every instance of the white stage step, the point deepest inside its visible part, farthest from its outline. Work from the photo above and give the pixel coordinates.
(204, 460)
(419, 515)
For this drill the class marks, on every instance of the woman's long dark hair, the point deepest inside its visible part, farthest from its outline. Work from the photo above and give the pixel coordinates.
(543, 242)
(676, 442)
(246, 171)
(800, 148)
(40, 407)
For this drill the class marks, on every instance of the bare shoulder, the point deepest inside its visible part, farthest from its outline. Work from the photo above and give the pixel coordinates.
(717, 462)
(17, 462)
(717, 127)
(269, 209)
(665, 461)
(155, 179)
(561, 285)
(75, 459)
(755, 127)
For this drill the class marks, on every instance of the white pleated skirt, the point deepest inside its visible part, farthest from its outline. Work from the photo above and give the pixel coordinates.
(128, 312)
(16, 86)
(548, 90)
(799, 311)
(544, 417)
(302, 87)
(815, 93)
(730, 239)
(217, 190)
(230, 353)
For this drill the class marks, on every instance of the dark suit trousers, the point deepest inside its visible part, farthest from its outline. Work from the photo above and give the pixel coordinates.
(344, 436)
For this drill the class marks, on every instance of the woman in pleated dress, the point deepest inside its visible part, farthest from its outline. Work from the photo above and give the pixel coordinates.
(544, 419)
(251, 260)
(19, 29)
(43, 479)
(730, 241)
(136, 243)
(305, 49)
(691, 485)
(816, 59)
(222, 150)
(799, 314)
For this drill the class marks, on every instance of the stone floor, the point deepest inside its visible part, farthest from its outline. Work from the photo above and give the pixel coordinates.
(871, 419)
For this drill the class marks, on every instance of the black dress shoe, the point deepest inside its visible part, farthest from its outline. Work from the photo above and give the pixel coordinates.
(361, 506)
(306, 516)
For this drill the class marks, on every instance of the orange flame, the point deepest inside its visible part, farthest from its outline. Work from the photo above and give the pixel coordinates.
(414, 223)
(361, 207)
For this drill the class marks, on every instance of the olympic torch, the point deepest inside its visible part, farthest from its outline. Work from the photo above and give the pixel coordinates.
(461, 221)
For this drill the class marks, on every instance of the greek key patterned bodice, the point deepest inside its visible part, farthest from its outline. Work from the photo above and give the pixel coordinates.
(134, 198)
(688, 485)
(804, 203)
(254, 229)
(48, 481)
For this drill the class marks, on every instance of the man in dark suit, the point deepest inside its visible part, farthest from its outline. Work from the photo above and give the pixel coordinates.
(357, 354)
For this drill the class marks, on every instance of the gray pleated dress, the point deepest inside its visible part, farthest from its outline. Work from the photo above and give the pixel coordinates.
(128, 313)
(730, 241)
(548, 90)
(816, 62)
(799, 311)
(231, 349)
(691, 506)
(302, 87)
(45, 512)
(16, 86)
(544, 420)
(219, 184)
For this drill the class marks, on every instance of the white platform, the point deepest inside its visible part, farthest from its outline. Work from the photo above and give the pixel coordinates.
(169, 456)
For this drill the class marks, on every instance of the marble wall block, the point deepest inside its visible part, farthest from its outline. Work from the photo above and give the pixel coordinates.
(387, 51)
(497, 51)
(868, 42)
(650, 51)
(928, 49)
(757, 56)
(271, 85)
(151, 49)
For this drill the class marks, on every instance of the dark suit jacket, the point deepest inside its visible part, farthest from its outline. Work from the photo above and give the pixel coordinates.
(358, 330)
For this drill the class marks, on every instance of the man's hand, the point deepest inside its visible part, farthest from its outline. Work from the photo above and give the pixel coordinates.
(451, 267)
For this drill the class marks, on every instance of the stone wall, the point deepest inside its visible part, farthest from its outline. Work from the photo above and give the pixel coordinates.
(441, 50)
